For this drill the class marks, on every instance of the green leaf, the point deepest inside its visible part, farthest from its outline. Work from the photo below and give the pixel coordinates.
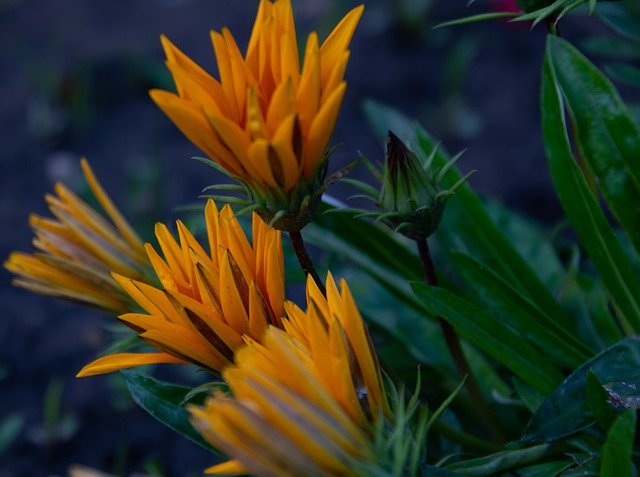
(163, 401)
(548, 469)
(618, 448)
(477, 18)
(606, 135)
(566, 410)
(621, 19)
(491, 335)
(374, 246)
(587, 299)
(597, 398)
(513, 309)
(532, 241)
(625, 74)
(587, 467)
(581, 206)
(500, 462)
(611, 47)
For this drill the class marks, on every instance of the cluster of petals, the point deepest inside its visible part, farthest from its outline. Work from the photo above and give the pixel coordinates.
(207, 302)
(268, 120)
(79, 248)
(304, 400)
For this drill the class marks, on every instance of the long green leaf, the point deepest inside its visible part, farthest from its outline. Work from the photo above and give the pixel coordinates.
(582, 208)
(500, 462)
(163, 401)
(491, 335)
(504, 302)
(605, 132)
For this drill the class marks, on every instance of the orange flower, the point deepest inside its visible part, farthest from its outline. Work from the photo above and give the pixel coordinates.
(79, 249)
(208, 301)
(282, 421)
(306, 400)
(267, 122)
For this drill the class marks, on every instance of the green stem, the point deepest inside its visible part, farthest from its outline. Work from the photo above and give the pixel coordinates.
(455, 349)
(305, 260)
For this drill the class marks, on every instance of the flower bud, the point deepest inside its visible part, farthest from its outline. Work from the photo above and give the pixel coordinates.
(411, 198)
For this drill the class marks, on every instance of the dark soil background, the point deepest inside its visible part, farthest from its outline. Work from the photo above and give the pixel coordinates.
(74, 76)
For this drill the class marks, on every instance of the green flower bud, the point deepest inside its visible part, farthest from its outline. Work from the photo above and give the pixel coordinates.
(411, 198)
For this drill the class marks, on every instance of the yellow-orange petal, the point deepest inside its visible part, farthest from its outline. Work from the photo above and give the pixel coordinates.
(235, 139)
(125, 229)
(194, 124)
(338, 41)
(282, 144)
(231, 467)
(321, 131)
(308, 95)
(283, 104)
(116, 362)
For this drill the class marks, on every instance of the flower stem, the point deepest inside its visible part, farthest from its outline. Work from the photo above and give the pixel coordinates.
(305, 260)
(453, 344)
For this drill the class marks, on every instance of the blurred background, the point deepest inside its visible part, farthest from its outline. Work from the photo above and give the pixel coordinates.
(74, 76)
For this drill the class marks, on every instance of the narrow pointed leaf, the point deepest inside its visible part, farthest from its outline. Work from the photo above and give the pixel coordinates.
(606, 135)
(489, 334)
(504, 302)
(582, 208)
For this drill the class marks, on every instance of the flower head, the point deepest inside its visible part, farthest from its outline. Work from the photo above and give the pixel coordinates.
(282, 420)
(79, 249)
(306, 400)
(268, 120)
(208, 301)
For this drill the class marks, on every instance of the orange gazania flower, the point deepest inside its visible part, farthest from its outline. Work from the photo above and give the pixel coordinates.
(267, 121)
(282, 420)
(208, 301)
(305, 400)
(79, 249)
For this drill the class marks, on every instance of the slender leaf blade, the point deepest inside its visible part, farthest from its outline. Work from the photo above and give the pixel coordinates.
(505, 303)
(489, 334)
(605, 132)
(582, 209)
